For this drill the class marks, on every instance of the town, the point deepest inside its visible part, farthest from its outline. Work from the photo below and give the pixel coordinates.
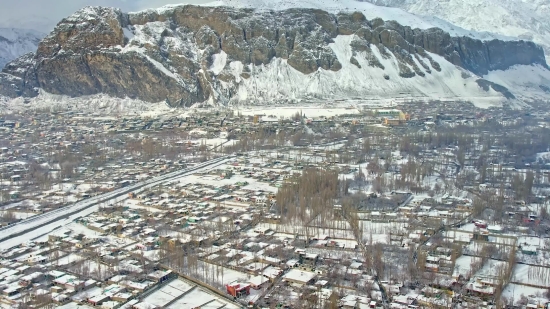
(402, 205)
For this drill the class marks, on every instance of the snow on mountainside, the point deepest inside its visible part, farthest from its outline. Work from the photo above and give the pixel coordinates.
(16, 42)
(278, 81)
(370, 11)
(534, 80)
(283, 52)
(523, 19)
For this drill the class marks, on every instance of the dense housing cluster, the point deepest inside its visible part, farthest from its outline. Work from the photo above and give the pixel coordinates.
(403, 206)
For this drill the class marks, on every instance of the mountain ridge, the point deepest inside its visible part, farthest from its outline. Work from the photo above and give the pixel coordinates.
(191, 54)
(15, 42)
(370, 10)
(526, 20)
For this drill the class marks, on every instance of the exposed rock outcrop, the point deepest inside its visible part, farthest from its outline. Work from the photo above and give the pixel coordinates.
(485, 84)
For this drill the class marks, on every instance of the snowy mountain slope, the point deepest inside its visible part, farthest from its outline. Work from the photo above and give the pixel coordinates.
(523, 19)
(371, 11)
(279, 82)
(534, 80)
(16, 42)
(99, 103)
(216, 54)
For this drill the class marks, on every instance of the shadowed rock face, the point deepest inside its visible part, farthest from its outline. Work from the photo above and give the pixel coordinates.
(170, 58)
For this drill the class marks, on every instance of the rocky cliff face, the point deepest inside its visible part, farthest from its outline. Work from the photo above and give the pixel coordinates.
(510, 18)
(191, 54)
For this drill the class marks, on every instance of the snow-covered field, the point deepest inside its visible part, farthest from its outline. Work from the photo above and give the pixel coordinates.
(198, 298)
(101, 105)
(134, 204)
(515, 292)
(463, 265)
(68, 259)
(18, 214)
(229, 275)
(168, 293)
(532, 275)
(23, 204)
(491, 269)
(298, 229)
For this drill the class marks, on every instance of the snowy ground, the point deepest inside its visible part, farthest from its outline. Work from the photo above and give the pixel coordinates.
(299, 229)
(491, 268)
(532, 275)
(94, 269)
(515, 292)
(288, 112)
(134, 204)
(198, 298)
(463, 265)
(19, 214)
(229, 275)
(24, 203)
(218, 181)
(68, 259)
(168, 293)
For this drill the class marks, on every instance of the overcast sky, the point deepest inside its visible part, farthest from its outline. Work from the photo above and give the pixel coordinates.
(42, 15)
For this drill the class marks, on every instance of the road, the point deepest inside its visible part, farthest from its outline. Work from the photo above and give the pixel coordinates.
(439, 230)
(365, 253)
(465, 220)
(26, 230)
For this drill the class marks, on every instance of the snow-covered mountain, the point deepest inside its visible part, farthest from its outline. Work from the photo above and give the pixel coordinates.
(269, 51)
(523, 19)
(17, 42)
(371, 11)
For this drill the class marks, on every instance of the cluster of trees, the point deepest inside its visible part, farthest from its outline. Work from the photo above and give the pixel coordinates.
(8, 216)
(307, 196)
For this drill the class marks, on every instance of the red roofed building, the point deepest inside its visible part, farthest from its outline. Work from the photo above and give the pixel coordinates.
(238, 289)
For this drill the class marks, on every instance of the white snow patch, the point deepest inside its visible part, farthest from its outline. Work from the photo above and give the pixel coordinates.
(236, 68)
(544, 156)
(163, 69)
(220, 60)
(141, 51)
(523, 80)
(128, 33)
